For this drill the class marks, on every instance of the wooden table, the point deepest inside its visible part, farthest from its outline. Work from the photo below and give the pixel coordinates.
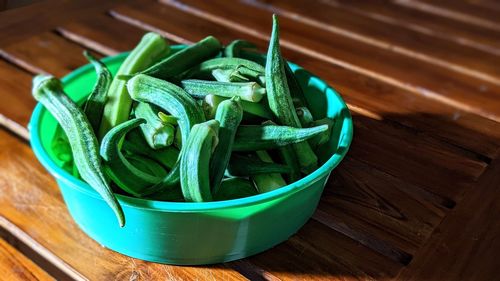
(417, 198)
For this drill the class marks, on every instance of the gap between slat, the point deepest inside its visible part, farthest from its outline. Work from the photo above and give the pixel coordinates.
(432, 9)
(387, 79)
(37, 253)
(378, 43)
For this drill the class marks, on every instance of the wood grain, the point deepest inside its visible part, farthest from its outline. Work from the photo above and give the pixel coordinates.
(424, 79)
(15, 266)
(393, 38)
(15, 88)
(457, 10)
(31, 200)
(59, 56)
(459, 32)
(391, 103)
(465, 245)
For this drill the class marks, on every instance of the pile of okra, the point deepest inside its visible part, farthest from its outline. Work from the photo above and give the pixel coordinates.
(204, 123)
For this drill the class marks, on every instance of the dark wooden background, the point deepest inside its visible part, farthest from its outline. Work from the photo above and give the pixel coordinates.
(417, 198)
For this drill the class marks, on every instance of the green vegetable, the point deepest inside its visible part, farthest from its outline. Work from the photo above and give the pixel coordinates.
(280, 101)
(185, 59)
(261, 137)
(296, 92)
(305, 116)
(136, 144)
(267, 182)
(119, 169)
(229, 114)
(117, 109)
(323, 138)
(244, 67)
(235, 188)
(243, 166)
(157, 133)
(259, 109)
(172, 99)
(234, 48)
(48, 90)
(146, 165)
(228, 75)
(167, 118)
(195, 181)
(94, 106)
(249, 91)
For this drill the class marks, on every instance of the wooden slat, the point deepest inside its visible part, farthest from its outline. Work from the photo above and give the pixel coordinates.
(104, 33)
(17, 105)
(317, 253)
(456, 89)
(31, 200)
(393, 38)
(24, 22)
(465, 246)
(457, 10)
(15, 266)
(59, 56)
(151, 17)
(367, 203)
(382, 99)
(435, 25)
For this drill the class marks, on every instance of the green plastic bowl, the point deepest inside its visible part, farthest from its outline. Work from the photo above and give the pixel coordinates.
(196, 233)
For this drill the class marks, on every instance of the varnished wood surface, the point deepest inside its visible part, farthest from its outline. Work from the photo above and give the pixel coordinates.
(15, 266)
(414, 200)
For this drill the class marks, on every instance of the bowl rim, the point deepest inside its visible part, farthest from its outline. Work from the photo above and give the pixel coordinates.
(165, 206)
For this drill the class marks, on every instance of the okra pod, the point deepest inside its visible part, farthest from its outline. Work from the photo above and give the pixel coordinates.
(94, 106)
(185, 59)
(229, 114)
(245, 67)
(261, 137)
(157, 133)
(48, 91)
(119, 169)
(259, 109)
(248, 91)
(244, 166)
(118, 106)
(194, 167)
(235, 188)
(267, 182)
(280, 101)
(233, 50)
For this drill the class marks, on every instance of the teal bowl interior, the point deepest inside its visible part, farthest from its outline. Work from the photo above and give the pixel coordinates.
(196, 233)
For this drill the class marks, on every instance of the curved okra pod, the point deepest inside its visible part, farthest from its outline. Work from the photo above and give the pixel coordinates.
(261, 137)
(194, 168)
(48, 90)
(233, 50)
(172, 99)
(280, 101)
(248, 91)
(229, 114)
(94, 106)
(305, 116)
(157, 133)
(119, 169)
(136, 144)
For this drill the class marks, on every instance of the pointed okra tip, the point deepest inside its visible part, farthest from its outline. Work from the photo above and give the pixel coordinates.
(44, 82)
